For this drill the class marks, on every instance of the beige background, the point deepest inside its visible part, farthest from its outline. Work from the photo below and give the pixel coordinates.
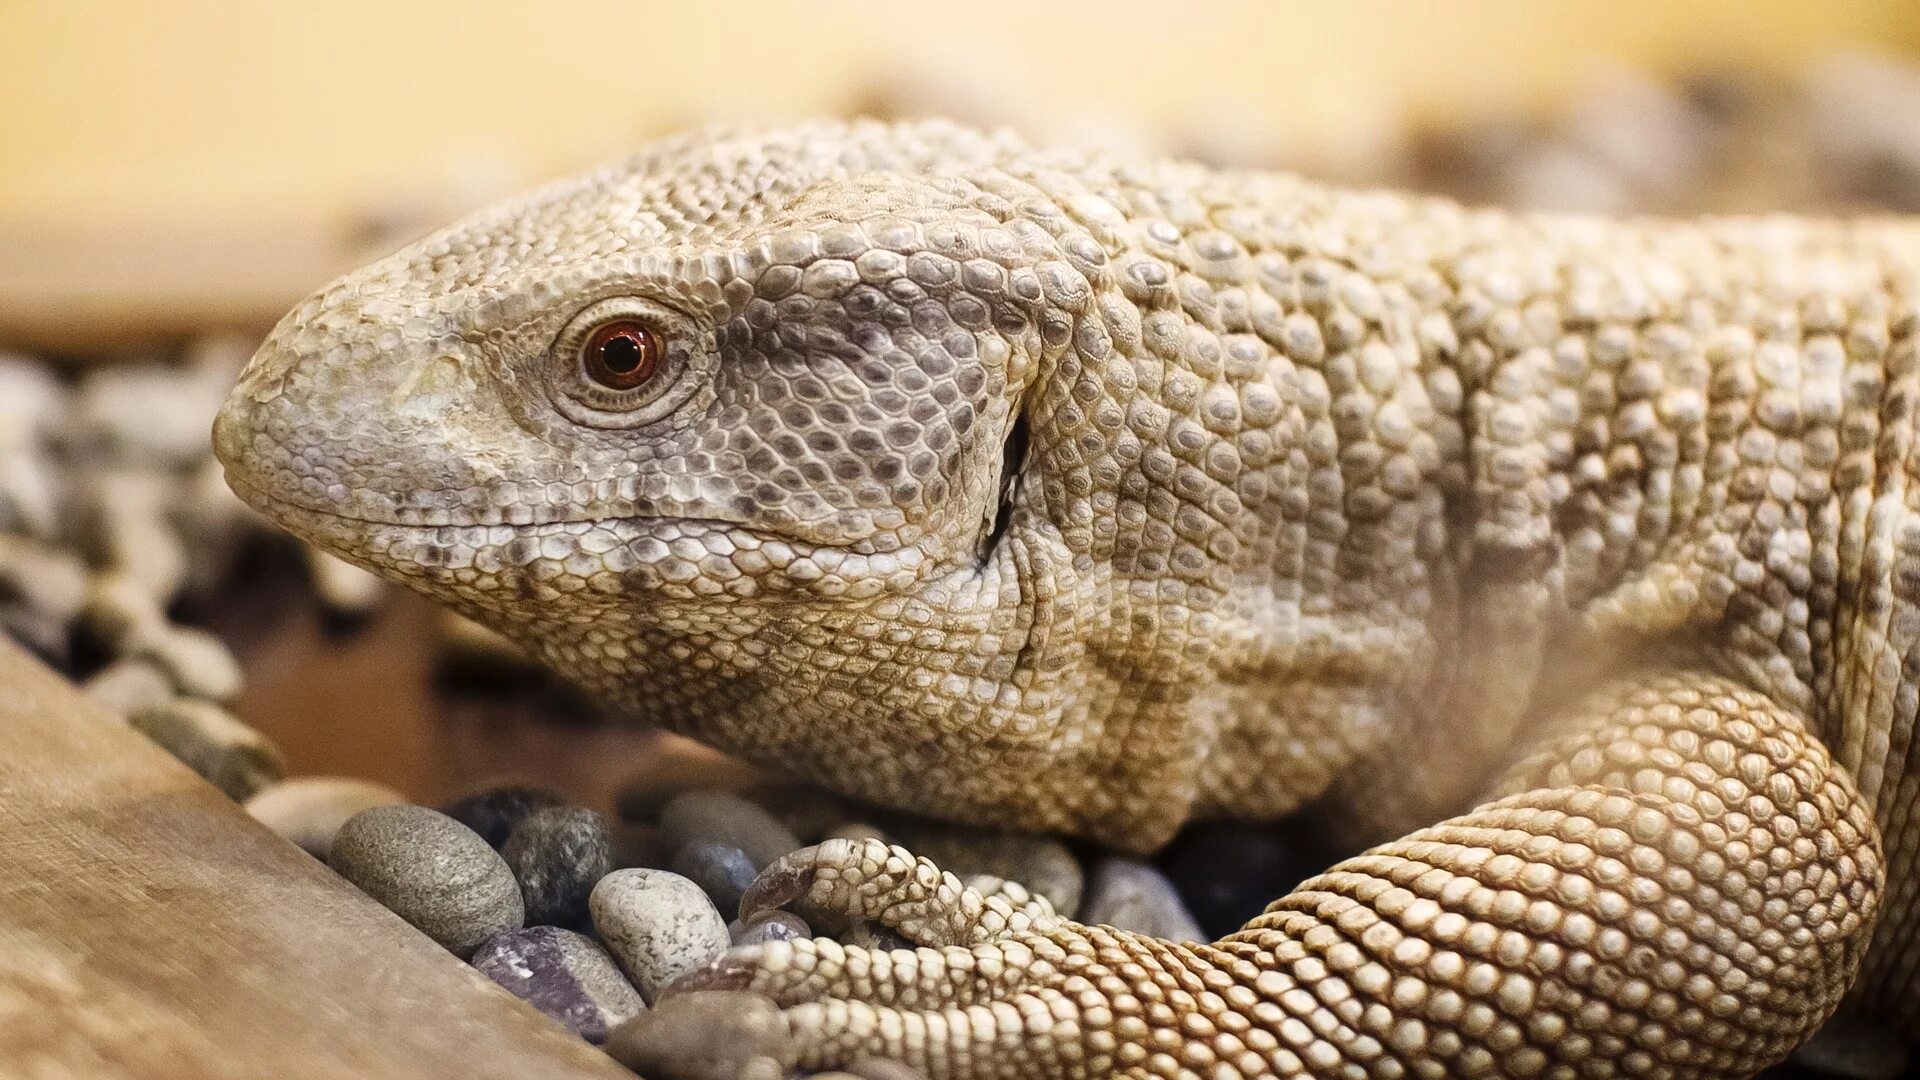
(168, 162)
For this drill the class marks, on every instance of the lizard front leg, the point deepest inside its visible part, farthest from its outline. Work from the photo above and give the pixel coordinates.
(1677, 882)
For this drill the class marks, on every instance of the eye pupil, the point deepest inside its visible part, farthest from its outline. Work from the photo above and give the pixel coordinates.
(621, 355)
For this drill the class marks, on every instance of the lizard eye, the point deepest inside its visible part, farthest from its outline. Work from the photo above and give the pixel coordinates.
(621, 355)
(627, 361)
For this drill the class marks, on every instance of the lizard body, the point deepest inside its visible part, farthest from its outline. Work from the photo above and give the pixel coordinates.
(1046, 490)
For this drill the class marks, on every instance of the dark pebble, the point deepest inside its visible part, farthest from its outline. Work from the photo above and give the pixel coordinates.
(496, 811)
(1228, 872)
(722, 870)
(559, 853)
(729, 819)
(566, 975)
(1134, 896)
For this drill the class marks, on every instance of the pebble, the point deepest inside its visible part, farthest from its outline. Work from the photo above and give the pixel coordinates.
(212, 742)
(722, 870)
(658, 925)
(47, 579)
(566, 975)
(199, 663)
(129, 685)
(705, 1035)
(1133, 896)
(559, 853)
(1044, 864)
(431, 871)
(494, 812)
(345, 590)
(309, 810)
(769, 926)
(676, 766)
(1267, 860)
(123, 518)
(728, 819)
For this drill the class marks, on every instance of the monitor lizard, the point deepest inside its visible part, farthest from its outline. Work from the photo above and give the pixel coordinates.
(1570, 562)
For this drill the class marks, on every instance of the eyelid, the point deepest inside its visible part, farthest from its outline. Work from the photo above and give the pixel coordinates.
(685, 359)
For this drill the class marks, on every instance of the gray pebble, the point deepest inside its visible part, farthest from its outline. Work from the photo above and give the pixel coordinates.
(723, 870)
(1132, 896)
(128, 686)
(309, 810)
(212, 742)
(769, 926)
(494, 812)
(1043, 864)
(559, 853)
(430, 870)
(199, 663)
(705, 1035)
(566, 975)
(658, 925)
(729, 819)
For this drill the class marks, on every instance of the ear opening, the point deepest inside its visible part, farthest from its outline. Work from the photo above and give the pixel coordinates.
(1013, 458)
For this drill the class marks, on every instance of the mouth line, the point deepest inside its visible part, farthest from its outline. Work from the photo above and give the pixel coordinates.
(286, 512)
(274, 505)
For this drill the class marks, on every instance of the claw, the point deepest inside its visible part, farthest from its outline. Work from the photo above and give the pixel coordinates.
(784, 880)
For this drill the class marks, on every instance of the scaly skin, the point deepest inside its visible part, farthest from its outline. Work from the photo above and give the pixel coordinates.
(1595, 539)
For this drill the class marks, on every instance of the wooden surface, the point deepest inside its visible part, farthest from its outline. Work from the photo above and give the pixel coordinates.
(148, 928)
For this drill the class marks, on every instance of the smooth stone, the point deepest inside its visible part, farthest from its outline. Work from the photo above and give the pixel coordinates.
(128, 686)
(199, 663)
(309, 810)
(432, 871)
(566, 975)
(559, 853)
(705, 1035)
(658, 924)
(1133, 896)
(722, 870)
(494, 812)
(214, 743)
(1043, 864)
(769, 926)
(729, 819)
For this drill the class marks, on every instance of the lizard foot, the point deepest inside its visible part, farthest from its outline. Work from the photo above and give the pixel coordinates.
(998, 985)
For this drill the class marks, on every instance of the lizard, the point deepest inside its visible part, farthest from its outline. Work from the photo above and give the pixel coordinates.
(1569, 562)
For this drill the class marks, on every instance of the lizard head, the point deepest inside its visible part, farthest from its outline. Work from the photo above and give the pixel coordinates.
(737, 435)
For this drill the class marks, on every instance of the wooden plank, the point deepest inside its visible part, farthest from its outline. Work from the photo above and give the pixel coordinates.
(149, 928)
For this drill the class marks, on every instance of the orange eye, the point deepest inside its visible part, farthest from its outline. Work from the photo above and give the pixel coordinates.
(621, 355)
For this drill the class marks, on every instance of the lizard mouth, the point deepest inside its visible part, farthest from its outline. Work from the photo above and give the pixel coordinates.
(663, 554)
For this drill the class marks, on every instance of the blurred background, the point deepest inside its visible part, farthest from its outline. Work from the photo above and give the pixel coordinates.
(174, 176)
